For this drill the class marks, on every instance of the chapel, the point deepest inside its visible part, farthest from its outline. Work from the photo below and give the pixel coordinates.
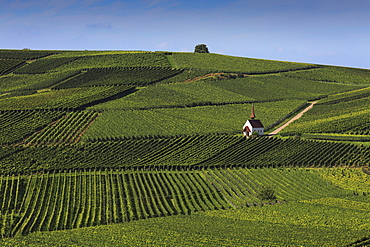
(253, 125)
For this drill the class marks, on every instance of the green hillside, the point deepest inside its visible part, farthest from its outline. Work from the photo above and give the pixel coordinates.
(110, 146)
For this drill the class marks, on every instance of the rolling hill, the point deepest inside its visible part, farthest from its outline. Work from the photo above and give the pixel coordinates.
(116, 143)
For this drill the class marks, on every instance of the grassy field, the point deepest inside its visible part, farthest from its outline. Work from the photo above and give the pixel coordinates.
(137, 148)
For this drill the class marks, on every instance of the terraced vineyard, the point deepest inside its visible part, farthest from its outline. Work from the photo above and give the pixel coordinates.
(135, 148)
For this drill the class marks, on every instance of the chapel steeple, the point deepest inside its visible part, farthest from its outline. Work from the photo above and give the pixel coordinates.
(252, 114)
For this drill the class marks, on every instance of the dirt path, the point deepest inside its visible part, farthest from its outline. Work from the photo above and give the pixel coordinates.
(293, 119)
(202, 77)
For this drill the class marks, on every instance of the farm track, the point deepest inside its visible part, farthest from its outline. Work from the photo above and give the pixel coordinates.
(201, 77)
(299, 115)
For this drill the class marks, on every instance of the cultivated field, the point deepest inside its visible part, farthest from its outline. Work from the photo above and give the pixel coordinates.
(115, 148)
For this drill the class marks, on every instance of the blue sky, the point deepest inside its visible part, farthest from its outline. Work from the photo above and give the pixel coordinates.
(335, 32)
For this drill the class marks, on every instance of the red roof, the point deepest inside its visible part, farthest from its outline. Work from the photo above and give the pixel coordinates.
(256, 123)
(246, 129)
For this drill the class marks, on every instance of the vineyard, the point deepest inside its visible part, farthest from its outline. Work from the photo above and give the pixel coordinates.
(184, 120)
(174, 153)
(260, 87)
(135, 76)
(25, 54)
(147, 59)
(233, 64)
(355, 179)
(338, 114)
(74, 98)
(241, 90)
(346, 96)
(58, 201)
(334, 74)
(16, 125)
(137, 148)
(31, 82)
(68, 129)
(6, 65)
(44, 65)
(113, 196)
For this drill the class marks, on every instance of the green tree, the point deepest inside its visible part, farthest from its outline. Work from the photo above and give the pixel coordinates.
(202, 48)
(266, 193)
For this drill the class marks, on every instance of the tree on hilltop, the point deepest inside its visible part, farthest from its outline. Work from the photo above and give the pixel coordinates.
(202, 48)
